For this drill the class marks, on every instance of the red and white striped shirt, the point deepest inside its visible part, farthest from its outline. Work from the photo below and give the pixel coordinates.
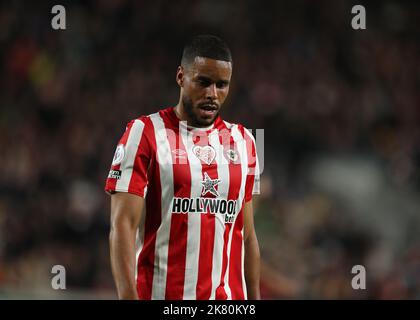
(195, 182)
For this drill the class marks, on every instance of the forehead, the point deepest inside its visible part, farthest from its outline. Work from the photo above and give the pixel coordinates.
(215, 69)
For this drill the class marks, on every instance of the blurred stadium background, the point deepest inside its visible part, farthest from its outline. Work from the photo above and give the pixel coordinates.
(340, 109)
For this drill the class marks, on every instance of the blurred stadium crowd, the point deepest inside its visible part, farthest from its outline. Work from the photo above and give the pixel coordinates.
(340, 110)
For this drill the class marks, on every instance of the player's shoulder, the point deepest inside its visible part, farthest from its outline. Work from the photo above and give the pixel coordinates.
(136, 123)
(238, 127)
(146, 119)
(146, 122)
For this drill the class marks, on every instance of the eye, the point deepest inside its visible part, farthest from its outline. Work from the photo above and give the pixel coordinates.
(221, 85)
(204, 82)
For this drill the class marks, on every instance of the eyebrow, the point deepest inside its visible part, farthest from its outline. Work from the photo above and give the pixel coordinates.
(204, 78)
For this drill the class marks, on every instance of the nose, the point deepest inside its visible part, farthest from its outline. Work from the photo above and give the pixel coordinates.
(211, 92)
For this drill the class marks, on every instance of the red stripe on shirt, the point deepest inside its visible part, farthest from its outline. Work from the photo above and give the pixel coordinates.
(235, 176)
(138, 181)
(146, 258)
(235, 265)
(252, 162)
(177, 247)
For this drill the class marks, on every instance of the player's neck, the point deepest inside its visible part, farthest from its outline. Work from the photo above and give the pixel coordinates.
(183, 118)
(180, 113)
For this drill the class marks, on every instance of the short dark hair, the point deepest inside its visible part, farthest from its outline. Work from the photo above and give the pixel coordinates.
(206, 46)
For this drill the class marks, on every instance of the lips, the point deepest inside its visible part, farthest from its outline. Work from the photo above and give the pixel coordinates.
(208, 110)
(209, 107)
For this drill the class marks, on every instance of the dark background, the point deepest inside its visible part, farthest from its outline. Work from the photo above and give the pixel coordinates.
(340, 109)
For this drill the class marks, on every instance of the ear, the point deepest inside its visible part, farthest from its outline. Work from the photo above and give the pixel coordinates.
(180, 76)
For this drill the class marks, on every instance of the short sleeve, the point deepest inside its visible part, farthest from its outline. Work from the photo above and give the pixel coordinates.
(252, 185)
(128, 172)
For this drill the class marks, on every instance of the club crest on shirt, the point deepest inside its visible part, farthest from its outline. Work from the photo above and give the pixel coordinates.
(231, 155)
(205, 153)
(119, 155)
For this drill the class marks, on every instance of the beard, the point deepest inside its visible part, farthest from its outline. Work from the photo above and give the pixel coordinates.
(194, 119)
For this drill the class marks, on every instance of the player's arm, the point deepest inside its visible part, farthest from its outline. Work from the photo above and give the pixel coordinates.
(126, 214)
(252, 254)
